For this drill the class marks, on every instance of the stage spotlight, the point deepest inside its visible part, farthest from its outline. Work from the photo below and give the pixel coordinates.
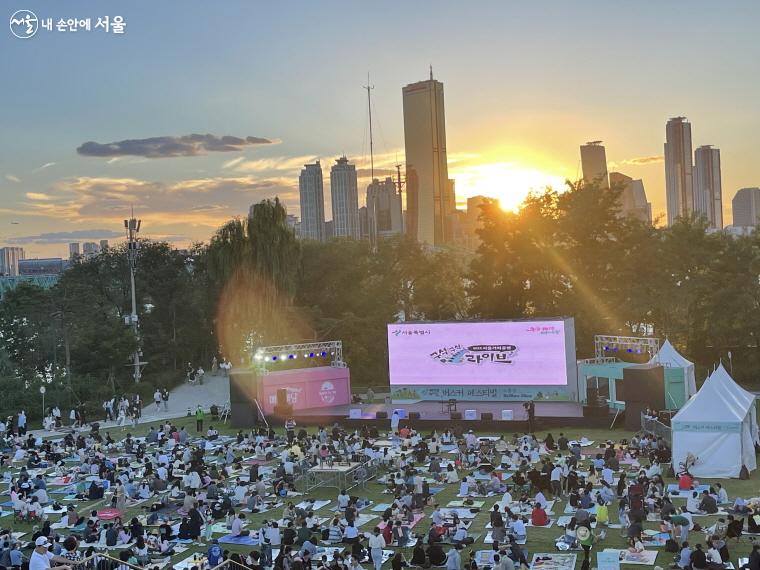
(630, 350)
(324, 354)
(311, 355)
(283, 356)
(291, 356)
(274, 358)
(606, 348)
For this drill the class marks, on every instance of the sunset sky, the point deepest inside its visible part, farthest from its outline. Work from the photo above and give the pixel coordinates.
(525, 84)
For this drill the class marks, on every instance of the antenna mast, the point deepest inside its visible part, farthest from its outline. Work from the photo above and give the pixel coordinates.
(369, 88)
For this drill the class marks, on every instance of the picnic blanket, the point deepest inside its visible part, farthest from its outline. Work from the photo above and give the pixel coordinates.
(312, 505)
(553, 561)
(645, 558)
(245, 540)
(461, 503)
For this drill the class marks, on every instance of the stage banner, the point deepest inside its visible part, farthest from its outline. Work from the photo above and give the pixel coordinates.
(482, 393)
(307, 388)
(707, 427)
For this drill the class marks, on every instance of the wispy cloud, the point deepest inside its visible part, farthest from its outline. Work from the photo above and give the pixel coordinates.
(12, 178)
(65, 237)
(638, 161)
(170, 146)
(37, 196)
(45, 166)
(197, 201)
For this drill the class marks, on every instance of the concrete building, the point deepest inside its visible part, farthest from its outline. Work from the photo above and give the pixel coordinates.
(679, 188)
(429, 196)
(73, 250)
(312, 199)
(9, 260)
(594, 164)
(746, 208)
(42, 266)
(384, 217)
(103, 244)
(90, 248)
(633, 197)
(708, 193)
(344, 196)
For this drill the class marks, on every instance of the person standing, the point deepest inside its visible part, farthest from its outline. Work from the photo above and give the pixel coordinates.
(199, 417)
(42, 557)
(157, 399)
(214, 366)
(290, 430)
(22, 423)
(395, 419)
(376, 545)
(165, 398)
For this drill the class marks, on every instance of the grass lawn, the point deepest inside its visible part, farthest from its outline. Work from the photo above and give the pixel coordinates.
(539, 540)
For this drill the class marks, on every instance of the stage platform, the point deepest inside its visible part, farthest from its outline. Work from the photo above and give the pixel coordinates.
(433, 414)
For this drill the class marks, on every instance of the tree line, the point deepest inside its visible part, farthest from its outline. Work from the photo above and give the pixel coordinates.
(566, 253)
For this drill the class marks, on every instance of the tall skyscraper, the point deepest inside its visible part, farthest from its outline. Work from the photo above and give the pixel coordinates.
(427, 176)
(384, 217)
(679, 187)
(633, 197)
(9, 258)
(594, 164)
(746, 207)
(73, 250)
(708, 194)
(103, 244)
(345, 199)
(312, 202)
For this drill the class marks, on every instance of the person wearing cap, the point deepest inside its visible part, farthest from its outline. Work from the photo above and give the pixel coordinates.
(41, 557)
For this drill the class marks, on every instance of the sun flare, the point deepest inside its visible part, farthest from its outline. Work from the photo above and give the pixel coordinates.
(510, 183)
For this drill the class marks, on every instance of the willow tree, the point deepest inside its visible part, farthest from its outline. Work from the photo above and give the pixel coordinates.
(254, 263)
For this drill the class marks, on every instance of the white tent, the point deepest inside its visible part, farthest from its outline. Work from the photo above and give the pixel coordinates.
(669, 356)
(719, 427)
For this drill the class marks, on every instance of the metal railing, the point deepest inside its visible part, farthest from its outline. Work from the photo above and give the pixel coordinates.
(101, 561)
(656, 428)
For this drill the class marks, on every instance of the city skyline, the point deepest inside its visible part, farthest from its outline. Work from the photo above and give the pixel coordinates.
(71, 166)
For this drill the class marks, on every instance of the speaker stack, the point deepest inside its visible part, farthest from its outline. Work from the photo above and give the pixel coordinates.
(282, 408)
(643, 387)
(243, 411)
(595, 407)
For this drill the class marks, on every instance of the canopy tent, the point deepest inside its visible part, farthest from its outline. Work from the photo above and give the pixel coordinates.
(670, 358)
(718, 426)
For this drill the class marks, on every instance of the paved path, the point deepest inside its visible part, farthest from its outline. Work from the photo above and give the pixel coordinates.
(215, 390)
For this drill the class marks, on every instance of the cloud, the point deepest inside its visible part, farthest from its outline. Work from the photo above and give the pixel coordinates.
(638, 161)
(37, 196)
(206, 202)
(168, 146)
(65, 237)
(12, 178)
(367, 172)
(44, 166)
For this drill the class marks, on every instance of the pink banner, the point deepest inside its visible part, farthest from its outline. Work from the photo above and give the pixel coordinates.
(321, 387)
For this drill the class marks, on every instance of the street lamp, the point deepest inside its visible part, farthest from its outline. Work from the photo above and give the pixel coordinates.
(42, 391)
(132, 227)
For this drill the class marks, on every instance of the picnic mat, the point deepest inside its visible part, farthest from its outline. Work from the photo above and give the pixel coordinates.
(246, 540)
(489, 539)
(645, 558)
(312, 505)
(474, 505)
(553, 561)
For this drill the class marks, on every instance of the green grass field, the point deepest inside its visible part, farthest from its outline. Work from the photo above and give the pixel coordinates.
(539, 540)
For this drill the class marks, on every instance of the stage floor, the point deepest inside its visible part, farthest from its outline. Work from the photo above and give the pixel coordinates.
(432, 410)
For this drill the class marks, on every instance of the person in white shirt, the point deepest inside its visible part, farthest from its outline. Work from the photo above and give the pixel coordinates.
(42, 557)
(376, 544)
(437, 516)
(556, 481)
(541, 499)
(608, 476)
(722, 494)
(237, 526)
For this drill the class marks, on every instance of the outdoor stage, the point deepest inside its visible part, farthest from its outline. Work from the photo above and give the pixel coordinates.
(433, 414)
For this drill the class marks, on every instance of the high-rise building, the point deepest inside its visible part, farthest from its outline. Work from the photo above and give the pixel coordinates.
(9, 258)
(73, 250)
(427, 175)
(345, 199)
(708, 194)
(103, 244)
(46, 266)
(746, 208)
(312, 202)
(679, 188)
(633, 197)
(383, 210)
(90, 248)
(594, 164)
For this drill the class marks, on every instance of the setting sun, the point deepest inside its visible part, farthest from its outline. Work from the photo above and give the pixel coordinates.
(510, 183)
